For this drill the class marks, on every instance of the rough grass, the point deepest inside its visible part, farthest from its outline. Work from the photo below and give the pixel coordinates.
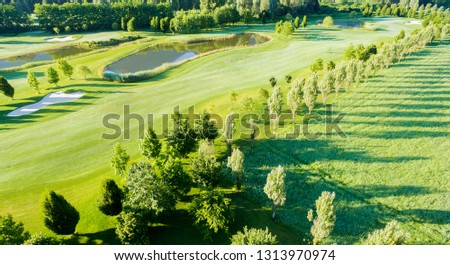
(60, 147)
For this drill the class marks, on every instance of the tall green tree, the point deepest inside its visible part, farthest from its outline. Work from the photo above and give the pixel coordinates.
(65, 68)
(229, 129)
(212, 213)
(294, 99)
(254, 236)
(164, 25)
(5, 88)
(110, 201)
(131, 25)
(150, 146)
(275, 104)
(147, 193)
(206, 128)
(236, 163)
(323, 222)
(119, 160)
(59, 215)
(326, 85)
(171, 170)
(182, 137)
(304, 22)
(310, 92)
(206, 170)
(84, 71)
(33, 83)
(297, 22)
(52, 76)
(12, 232)
(275, 188)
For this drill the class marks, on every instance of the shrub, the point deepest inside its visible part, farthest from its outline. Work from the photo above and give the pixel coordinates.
(254, 236)
(110, 202)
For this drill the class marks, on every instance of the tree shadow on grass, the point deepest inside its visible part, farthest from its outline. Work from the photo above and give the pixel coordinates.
(105, 237)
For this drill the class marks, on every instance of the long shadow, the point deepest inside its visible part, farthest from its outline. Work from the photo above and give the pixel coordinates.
(98, 238)
(429, 216)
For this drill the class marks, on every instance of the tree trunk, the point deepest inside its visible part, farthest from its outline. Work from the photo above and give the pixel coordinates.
(273, 211)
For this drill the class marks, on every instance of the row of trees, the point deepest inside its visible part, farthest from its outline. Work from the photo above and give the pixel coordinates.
(12, 20)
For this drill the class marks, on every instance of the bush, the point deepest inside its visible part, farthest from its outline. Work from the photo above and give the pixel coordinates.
(328, 22)
(59, 215)
(254, 236)
(39, 239)
(390, 235)
(12, 232)
(132, 229)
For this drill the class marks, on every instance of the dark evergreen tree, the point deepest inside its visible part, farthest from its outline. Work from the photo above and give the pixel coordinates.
(110, 202)
(59, 215)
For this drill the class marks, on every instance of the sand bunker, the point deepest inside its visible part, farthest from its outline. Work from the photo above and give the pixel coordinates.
(60, 39)
(414, 22)
(50, 99)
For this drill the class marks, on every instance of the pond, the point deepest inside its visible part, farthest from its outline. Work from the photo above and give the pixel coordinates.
(41, 56)
(349, 23)
(155, 56)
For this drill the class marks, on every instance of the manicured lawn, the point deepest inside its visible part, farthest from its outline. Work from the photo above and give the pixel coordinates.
(61, 148)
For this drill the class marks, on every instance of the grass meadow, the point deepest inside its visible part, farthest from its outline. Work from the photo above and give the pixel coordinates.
(394, 163)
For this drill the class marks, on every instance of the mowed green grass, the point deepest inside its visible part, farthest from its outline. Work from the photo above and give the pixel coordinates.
(394, 163)
(61, 147)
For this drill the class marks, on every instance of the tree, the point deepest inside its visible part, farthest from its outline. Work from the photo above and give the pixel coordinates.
(254, 236)
(154, 23)
(6, 88)
(340, 76)
(119, 160)
(110, 202)
(147, 193)
(328, 22)
(205, 128)
(52, 76)
(350, 73)
(123, 23)
(275, 103)
(150, 146)
(323, 223)
(390, 235)
(263, 95)
(164, 25)
(326, 85)
(173, 173)
(84, 71)
(32, 81)
(182, 138)
(330, 65)
(273, 81)
(115, 26)
(236, 163)
(229, 129)
(304, 21)
(233, 98)
(12, 232)
(400, 36)
(131, 25)
(350, 52)
(132, 229)
(310, 92)
(40, 239)
(317, 65)
(59, 215)
(56, 30)
(212, 213)
(294, 99)
(287, 28)
(297, 22)
(275, 189)
(205, 169)
(247, 104)
(65, 67)
(247, 16)
(172, 25)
